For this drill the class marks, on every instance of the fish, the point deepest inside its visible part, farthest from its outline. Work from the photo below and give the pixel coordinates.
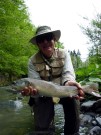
(50, 89)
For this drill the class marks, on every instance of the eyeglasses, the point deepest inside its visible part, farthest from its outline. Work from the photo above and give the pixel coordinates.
(43, 37)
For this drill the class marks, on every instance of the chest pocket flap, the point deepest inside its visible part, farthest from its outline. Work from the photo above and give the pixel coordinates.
(57, 63)
(39, 67)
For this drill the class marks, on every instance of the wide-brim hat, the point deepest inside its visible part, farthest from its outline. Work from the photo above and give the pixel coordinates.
(44, 30)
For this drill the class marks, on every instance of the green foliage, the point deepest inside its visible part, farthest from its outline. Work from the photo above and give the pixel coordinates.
(16, 31)
(91, 68)
(59, 45)
(93, 31)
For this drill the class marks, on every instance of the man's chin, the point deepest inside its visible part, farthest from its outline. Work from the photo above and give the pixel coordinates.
(48, 54)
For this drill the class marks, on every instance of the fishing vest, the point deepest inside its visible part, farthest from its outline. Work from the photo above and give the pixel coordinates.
(51, 69)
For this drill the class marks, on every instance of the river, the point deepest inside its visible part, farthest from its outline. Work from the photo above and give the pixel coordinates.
(16, 118)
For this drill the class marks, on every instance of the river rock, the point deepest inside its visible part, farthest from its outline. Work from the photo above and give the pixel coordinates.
(96, 107)
(87, 106)
(85, 119)
(95, 131)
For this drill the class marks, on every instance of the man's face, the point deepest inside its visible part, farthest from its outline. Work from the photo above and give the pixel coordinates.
(46, 44)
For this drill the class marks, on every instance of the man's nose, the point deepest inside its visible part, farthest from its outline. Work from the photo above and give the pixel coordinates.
(45, 41)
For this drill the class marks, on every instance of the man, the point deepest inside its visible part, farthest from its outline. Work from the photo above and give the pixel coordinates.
(52, 64)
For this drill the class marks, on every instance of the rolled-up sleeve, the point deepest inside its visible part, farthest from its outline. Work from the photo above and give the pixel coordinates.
(68, 70)
(32, 73)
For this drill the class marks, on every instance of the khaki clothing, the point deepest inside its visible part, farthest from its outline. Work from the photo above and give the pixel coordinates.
(51, 69)
(57, 69)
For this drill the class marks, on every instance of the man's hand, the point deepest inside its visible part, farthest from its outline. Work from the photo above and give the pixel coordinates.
(27, 91)
(80, 91)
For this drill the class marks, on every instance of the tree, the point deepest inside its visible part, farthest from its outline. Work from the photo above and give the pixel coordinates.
(76, 60)
(93, 63)
(15, 32)
(93, 32)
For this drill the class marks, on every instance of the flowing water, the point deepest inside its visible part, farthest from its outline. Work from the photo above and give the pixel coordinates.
(16, 118)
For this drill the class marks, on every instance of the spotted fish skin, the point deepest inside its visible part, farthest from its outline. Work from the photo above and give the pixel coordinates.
(50, 89)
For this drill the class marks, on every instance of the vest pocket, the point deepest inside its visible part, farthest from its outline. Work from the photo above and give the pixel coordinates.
(43, 69)
(58, 63)
(39, 67)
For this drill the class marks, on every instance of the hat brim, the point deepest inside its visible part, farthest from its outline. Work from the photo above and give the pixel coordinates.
(56, 33)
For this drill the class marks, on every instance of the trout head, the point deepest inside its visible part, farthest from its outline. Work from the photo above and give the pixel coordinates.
(20, 84)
